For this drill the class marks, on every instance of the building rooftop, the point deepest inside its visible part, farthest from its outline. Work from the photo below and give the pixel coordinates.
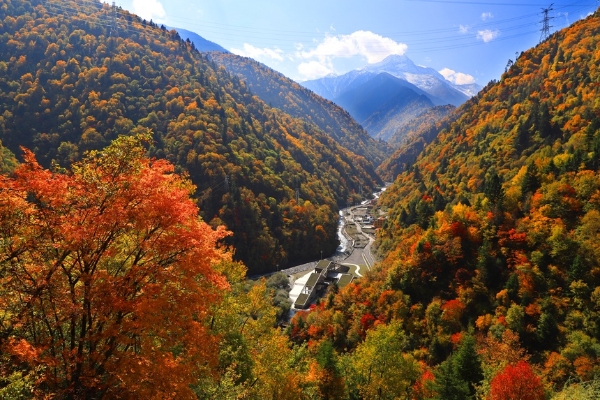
(301, 301)
(345, 279)
(312, 280)
(323, 264)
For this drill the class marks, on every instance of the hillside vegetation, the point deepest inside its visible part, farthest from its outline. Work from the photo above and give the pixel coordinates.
(112, 286)
(69, 85)
(491, 258)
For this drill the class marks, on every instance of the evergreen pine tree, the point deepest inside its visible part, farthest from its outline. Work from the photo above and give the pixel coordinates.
(547, 330)
(493, 188)
(468, 364)
(531, 182)
(521, 141)
(577, 269)
(544, 125)
(448, 384)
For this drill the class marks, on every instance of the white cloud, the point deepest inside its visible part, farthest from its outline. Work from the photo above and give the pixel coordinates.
(367, 44)
(314, 70)
(458, 78)
(463, 29)
(149, 9)
(487, 15)
(566, 15)
(257, 53)
(487, 35)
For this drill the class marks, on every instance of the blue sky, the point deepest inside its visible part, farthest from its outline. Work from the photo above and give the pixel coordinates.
(467, 40)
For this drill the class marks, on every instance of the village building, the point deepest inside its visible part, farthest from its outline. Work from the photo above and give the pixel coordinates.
(326, 273)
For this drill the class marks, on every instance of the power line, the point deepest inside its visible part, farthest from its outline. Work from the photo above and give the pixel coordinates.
(283, 33)
(133, 24)
(235, 33)
(477, 3)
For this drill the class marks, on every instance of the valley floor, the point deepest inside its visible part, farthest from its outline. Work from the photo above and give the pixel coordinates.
(358, 257)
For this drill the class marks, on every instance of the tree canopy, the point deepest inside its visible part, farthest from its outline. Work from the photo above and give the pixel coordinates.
(107, 276)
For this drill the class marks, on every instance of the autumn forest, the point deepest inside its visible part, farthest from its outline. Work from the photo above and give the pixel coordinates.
(143, 181)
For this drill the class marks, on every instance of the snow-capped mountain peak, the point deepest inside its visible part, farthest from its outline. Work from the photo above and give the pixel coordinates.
(440, 90)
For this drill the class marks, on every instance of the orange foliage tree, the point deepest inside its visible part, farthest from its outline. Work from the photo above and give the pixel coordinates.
(106, 276)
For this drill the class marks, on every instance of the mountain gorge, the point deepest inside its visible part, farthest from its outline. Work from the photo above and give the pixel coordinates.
(411, 139)
(70, 86)
(142, 180)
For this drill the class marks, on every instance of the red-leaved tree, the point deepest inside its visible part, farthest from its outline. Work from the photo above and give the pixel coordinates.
(517, 382)
(106, 277)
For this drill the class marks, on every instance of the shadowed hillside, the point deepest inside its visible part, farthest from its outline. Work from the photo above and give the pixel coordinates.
(412, 138)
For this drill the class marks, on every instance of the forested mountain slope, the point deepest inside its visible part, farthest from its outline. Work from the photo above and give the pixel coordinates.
(491, 251)
(408, 132)
(283, 93)
(69, 82)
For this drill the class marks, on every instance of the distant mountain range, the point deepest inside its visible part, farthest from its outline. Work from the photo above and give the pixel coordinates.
(385, 96)
(383, 104)
(439, 90)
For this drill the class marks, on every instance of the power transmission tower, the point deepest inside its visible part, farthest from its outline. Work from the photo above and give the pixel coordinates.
(546, 23)
(114, 30)
(297, 195)
(226, 183)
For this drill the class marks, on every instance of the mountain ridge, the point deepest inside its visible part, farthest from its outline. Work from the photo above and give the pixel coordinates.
(202, 44)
